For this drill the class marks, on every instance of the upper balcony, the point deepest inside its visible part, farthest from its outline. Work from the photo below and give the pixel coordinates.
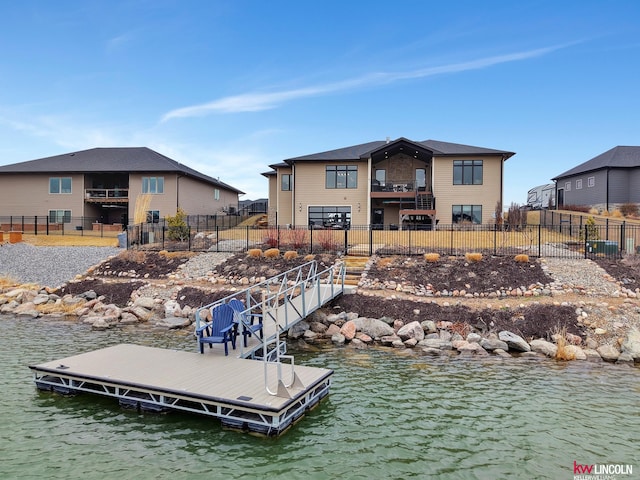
(405, 188)
(106, 195)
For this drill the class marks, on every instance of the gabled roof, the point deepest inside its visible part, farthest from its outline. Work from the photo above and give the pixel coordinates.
(617, 157)
(364, 150)
(110, 160)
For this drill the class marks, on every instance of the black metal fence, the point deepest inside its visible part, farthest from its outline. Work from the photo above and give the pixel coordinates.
(561, 240)
(94, 226)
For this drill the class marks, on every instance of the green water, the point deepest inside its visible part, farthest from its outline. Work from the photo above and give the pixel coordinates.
(389, 415)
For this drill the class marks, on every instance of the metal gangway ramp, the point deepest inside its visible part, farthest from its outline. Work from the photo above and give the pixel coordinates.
(281, 301)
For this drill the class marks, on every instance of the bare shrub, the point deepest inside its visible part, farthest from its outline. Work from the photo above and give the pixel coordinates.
(617, 214)
(309, 257)
(522, 258)
(297, 238)
(254, 252)
(271, 238)
(629, 209)
(327, 241)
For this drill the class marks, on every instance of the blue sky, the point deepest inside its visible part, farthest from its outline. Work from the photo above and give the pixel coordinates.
(229, 87)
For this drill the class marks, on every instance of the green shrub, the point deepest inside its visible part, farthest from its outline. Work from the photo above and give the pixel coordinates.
(178, 228)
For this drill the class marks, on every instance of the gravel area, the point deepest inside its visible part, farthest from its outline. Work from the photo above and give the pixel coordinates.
(49, 266)
(580, 273)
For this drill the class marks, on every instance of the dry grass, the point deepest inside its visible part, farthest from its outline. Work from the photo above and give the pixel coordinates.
(309, 257)
(69, 241)
(176, 254)
(7, 281)
(290, 255)
(272, 253)
(522, 258)
(67, 309)
(254, 252)
(473, 257)
(565, 351)
(141, 208)
(432, 257)
(385, 262)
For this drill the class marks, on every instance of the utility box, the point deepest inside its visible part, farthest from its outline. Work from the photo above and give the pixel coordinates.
(604, 247)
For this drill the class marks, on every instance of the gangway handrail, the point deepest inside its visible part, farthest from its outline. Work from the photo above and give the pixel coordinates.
(275, 292)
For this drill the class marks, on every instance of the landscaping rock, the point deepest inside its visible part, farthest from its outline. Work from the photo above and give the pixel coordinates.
(546, 348)
(514, 341)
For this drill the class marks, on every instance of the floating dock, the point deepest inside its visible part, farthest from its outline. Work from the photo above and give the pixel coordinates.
(234, 390)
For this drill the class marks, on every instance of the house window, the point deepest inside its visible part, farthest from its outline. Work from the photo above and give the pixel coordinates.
(60, 185)
(152, 184)
(216, 194)
(286, 182)
(421, 178)
(466, 214)
(579, 184)
(381, 176)
(330, 217)
(59, 216)
(153, 216)
(341, 176)
(567, 186)
(591, 182)
(467, 172)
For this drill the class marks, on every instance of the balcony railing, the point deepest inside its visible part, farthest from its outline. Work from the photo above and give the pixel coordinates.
(101, 194)
(397, 185)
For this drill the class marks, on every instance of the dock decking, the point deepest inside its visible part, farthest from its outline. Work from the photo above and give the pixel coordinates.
(231, 389)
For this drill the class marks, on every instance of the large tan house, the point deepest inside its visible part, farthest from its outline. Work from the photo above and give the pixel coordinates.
(400, 183)
(103, 184)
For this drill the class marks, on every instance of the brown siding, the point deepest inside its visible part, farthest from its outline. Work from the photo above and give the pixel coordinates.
(447, 194)
(310, 191)
(28, 195)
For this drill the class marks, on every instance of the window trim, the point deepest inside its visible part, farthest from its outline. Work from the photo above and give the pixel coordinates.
(567, 186)
(579, 184)
(591, 182)
(216, 194)
(347, 210)
(153, 216)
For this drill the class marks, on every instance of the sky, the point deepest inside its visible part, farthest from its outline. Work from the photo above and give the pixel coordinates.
(229, 87)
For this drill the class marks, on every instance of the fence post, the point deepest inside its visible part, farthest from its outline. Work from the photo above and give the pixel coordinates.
(607, 224)
(409, 241)
(495, 239)
(346, 244)
(217, 237)
(247, 227)
(451, 241)
(310, 238)
(278, 235)
(586, 237)
(35, 225)
(47, 225)
(622, 243)
(370, 240)
(539, 240)
(189, 240)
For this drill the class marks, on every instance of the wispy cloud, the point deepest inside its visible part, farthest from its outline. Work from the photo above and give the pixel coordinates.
(257, 101)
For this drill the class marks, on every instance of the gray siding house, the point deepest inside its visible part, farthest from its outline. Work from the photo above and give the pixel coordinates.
(604, 182)
(104, 185)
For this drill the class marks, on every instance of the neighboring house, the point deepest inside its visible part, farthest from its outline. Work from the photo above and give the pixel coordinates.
(104, 183)
(604, 182)
(400, 183)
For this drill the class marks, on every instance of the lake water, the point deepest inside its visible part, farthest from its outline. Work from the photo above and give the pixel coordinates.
(389, 415)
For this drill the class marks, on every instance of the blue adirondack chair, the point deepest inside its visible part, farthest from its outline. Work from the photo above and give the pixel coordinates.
(246, 320)
(222, 329)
